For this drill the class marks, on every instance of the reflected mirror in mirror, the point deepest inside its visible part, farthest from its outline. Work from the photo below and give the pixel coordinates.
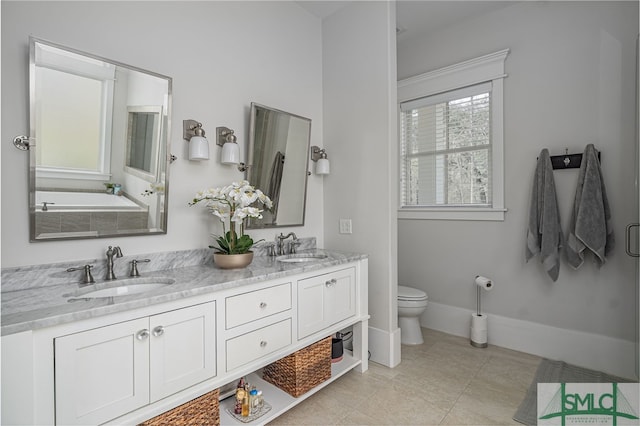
(99, 163)
(278, 162)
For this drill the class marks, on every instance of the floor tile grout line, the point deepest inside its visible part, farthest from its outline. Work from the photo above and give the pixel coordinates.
(477, 372)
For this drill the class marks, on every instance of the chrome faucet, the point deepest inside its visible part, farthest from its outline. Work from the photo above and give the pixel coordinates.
(292, 245)
(111, 252)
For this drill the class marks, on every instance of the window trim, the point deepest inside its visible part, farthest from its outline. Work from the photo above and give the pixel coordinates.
(68, 62)
(487, 68)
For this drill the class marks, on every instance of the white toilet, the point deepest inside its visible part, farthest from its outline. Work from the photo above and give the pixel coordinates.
(411, 304)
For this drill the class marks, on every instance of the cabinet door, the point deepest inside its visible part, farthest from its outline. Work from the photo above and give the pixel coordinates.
(102, 373)
(182, 347)
(311, 309)
(340, 296)
(325, 300)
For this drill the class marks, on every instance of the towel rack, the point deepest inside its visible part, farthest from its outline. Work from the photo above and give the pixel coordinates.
(567, 161)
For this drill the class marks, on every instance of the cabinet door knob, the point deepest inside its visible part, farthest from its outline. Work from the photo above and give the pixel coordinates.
(330, 282)
(263, 305)
(263, 344)
(158, 331)
(142, 334)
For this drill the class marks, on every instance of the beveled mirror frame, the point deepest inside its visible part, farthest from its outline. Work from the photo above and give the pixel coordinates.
(263, 153)
(159, 189)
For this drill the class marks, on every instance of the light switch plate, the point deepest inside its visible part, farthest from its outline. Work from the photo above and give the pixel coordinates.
(345, 226)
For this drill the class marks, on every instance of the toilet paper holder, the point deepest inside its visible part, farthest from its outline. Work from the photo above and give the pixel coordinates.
(481, 283)
(478, 335)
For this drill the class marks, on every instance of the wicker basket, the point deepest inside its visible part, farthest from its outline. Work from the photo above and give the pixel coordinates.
(202, 411)
(302, 370)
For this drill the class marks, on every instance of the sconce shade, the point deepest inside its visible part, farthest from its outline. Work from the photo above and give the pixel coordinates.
(323, 167)
(230, 153)
(198, 148)
(322, 163)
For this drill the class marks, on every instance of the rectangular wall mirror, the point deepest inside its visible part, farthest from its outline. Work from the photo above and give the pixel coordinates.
(278, 162)
(98, 147)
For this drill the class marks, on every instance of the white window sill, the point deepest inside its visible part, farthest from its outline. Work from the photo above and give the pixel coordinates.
(51, 173)
(451, 213)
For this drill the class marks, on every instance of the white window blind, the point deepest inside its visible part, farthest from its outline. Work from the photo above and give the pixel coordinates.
(446, 149)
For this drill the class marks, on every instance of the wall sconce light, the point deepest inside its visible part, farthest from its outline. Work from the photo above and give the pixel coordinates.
(323, 167)
(230, 149)
(193, 132)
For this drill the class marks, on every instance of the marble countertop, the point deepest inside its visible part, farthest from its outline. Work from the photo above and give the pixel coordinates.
(38, 307)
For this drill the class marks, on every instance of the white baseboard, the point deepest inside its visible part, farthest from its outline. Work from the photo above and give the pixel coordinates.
(384, 346)
(588, 350)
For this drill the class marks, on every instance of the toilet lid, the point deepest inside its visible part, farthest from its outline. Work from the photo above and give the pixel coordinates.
(410, 293)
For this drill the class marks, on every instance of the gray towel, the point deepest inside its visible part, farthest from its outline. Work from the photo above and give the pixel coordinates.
(544, 234)
(275, 182)
(590, 226)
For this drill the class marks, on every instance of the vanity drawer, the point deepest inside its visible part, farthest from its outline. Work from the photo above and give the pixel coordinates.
(247, 307)
(256, 344)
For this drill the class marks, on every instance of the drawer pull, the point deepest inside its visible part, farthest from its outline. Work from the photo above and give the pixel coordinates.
(263, 305)
(142, 334)
(263, 344)
(158, 331)
(331, 282)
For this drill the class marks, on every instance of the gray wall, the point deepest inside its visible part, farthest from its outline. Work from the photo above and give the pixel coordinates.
(359, 74)
(222, 55)
(571, 81)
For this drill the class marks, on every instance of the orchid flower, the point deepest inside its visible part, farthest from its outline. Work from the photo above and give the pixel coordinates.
(233, 203)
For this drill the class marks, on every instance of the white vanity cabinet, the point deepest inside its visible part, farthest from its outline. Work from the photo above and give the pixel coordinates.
(103, 373)
(325, 299)
(123, 365)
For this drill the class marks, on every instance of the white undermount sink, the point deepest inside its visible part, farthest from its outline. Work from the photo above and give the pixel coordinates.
(123, 288)
(301, 257)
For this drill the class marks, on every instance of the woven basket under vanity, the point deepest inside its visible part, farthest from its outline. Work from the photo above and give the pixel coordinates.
(303, 370)
(202, 411)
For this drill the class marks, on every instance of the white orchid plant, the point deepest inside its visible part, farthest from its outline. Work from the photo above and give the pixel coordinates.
(233, 203)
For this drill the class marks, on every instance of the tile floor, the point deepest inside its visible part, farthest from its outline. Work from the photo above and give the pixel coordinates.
(444, 381)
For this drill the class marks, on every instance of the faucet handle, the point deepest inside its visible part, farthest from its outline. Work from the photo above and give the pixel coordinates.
(134, 266)
(87, 278)
(293, 245)
(114, 251)
(271, 248)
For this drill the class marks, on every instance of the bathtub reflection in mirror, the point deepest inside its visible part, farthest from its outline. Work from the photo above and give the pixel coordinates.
(99, 164)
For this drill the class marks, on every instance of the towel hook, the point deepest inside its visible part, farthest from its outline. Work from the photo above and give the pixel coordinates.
(566, 160)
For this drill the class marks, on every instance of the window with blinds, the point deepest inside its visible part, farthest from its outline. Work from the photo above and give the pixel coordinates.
(446, 149)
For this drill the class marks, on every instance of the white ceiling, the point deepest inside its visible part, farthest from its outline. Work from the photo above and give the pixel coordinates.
(415, 17)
